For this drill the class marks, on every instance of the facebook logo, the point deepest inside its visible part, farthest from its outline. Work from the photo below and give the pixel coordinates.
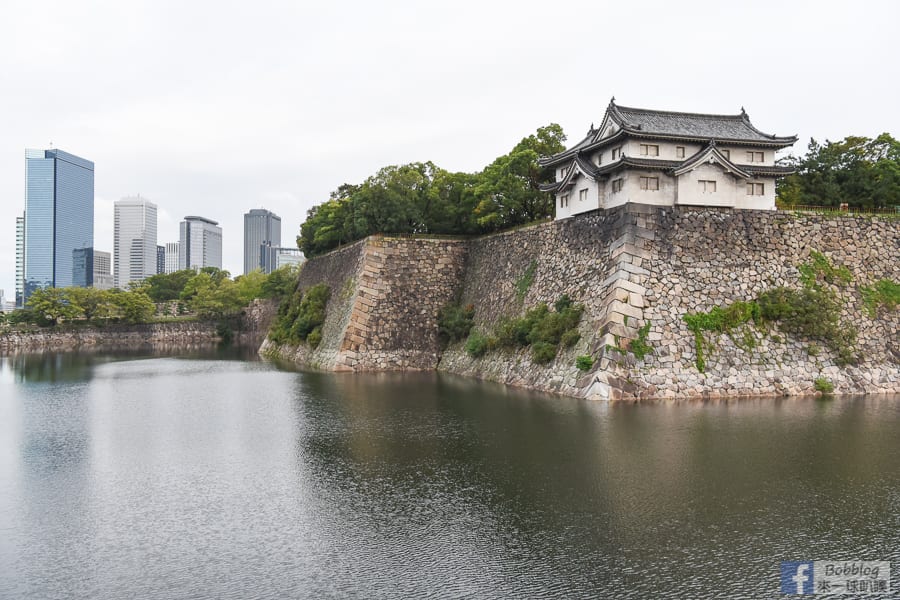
(797, 577)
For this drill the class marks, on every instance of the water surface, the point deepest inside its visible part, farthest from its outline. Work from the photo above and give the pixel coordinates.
(201, 477)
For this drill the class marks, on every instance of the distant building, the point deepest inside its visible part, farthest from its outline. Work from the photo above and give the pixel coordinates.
(2, 302)
(160, 259)
(172, 254)
(20, 260)
(281, 257)
(262, 229)
(668, 158)
(59, 220)
(134, 240)
(200, 244)
(103, 279)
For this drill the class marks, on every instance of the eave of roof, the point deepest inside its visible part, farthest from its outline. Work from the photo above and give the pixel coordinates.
(672, 126)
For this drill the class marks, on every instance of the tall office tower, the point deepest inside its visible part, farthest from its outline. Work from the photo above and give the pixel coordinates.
(200, 244)
(262, 228)
(20, 261)
(160, 259)
(103, 279)
(134, 239)
(59, 220)
(171, 257)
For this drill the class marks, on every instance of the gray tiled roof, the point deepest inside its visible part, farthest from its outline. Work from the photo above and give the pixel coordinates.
(692, 125)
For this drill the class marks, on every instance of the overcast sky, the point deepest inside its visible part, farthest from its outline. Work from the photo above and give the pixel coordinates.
(213, 108)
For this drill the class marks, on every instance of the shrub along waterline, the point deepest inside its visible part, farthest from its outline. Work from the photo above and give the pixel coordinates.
(540, 329)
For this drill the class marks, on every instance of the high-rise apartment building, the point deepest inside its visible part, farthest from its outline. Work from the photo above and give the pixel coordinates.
(103, 279)
(200, 243)
(134, 240)
(59, 220)
(262, 230)
(20, 261)
(172, 254)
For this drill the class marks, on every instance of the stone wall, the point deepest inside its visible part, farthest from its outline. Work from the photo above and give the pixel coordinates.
(386, 293)
(249, 329)
(628, 266)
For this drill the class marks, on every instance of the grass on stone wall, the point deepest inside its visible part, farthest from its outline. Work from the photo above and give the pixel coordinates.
(524, 282)
(885, 294)
(812, 311)
(300, 317)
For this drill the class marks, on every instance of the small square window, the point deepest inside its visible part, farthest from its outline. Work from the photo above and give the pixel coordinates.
(582, 195)
(564, 201)
(756, 189)
(649, 150)
(617, 185)
(650, 183)
(756, 157)
(707, 186)
(679, 151)
(616, 152)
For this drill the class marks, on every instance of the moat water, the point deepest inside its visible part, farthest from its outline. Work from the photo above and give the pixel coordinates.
(222, 477)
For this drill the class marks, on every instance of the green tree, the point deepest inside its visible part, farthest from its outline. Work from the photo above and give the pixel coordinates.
(54, 305)
(132, 306)
(858, 171)
(249, 286)
(509, 188)
(280, 283)
(93, 302)
(423, 198)
(167, 286)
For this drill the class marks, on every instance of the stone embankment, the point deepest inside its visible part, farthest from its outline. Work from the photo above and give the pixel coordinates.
(631, 267)
(385, 296)
(248, 329)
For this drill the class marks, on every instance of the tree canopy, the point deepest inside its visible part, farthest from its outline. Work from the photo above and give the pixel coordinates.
(423, 198)
(858, 171)
(210, 293)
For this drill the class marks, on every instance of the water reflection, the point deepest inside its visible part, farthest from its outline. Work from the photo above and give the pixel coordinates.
(181, 477)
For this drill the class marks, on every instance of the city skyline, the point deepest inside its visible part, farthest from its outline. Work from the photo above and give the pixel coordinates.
(247, 112)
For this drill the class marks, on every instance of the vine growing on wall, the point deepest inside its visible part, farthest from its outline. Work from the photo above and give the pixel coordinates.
(812, 311)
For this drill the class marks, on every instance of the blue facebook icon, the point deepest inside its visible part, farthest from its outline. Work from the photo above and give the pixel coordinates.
(797, 577)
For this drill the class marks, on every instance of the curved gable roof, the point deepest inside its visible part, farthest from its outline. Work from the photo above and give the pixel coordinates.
(646, 122)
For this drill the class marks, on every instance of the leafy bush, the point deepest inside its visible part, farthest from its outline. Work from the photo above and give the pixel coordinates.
(584, 363)
(823, 385)
(455, 322)
(570, 337)
(314, 338)
(300, 315)
(543, 352)
(541, 329)
(476, 345)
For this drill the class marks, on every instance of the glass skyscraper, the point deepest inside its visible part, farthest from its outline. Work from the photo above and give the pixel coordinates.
(59, 220)
(262, 230)
(200, 243)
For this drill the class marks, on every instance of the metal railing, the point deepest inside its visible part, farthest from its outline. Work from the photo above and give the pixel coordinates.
(843, 210)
